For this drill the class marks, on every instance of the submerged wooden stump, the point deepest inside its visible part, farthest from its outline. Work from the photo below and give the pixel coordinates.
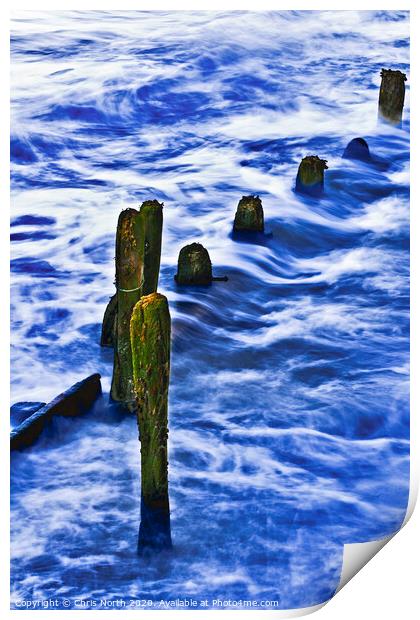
(249, 215)
(150, 330)
(357, 149)
(391, 96)
(137, 261)
(310, 176)
(194, 265)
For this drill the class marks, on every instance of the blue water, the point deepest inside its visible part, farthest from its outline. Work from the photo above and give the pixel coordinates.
(289, 384)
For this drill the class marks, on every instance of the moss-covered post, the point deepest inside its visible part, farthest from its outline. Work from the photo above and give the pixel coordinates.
(310, 176)
(150, 330)
(249, 215)
(107, 334)
(194, 265)
(137, 258)
(151, 216)
(128, 279)
(391, 96)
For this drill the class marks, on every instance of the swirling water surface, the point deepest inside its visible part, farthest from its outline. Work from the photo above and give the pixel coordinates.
(288, 398)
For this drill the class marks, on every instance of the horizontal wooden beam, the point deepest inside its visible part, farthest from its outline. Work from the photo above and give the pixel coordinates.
(73, 402)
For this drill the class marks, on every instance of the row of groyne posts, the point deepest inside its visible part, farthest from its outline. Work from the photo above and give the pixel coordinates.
(137, 322)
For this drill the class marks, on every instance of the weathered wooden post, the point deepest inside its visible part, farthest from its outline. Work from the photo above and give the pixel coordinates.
(310, 176)
(107, 334)
(137, 260)
(150, 331)
(128, 279)
(249, 215)
(152, 219)
(391, 96)
(194, 265)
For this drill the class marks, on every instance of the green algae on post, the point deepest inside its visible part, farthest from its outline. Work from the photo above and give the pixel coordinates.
(107, 334)
(150, 331)
(194, 265)
(128, 276)
(391, 96)
(310, 176)
(137, 261)
(249, 215)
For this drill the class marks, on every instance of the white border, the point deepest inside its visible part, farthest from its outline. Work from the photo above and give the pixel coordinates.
(388, 586)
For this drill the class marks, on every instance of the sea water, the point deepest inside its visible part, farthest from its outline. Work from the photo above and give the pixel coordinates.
(288, 406)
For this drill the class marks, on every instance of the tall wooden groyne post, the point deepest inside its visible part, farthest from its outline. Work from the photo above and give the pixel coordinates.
(137, 262)
(150, 331)
(391, 96)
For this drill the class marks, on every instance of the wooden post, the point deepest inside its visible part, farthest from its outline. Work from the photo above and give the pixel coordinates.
(150, 330)
(391, 96)
(249, 215)
(152, 220)
(137, 257)
(107, 334)
(310, 176)
(194, 265)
